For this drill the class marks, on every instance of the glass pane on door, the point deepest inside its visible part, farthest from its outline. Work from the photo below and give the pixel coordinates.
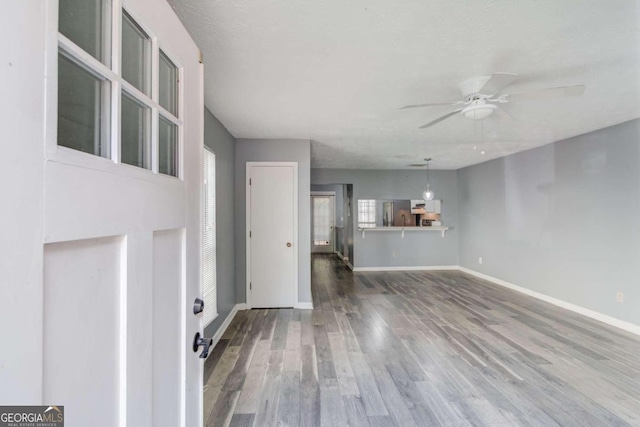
(168, 76)
(136, 55)
(167, 147)
(86, 23)
(134, 130)
(83, 109)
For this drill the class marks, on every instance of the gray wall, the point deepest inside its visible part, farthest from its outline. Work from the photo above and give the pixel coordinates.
(562, 219)
(388, 249)
(275, 150)
(220, 141)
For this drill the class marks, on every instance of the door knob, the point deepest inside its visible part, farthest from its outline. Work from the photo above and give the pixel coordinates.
(198, 306)
(205, 342)
(289, 244)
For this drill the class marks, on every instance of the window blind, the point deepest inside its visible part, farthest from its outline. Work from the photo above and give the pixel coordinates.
(366, 213)
(209, 275)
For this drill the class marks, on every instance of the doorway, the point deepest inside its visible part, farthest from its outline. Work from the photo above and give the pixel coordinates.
(272, 234)
(323, 219)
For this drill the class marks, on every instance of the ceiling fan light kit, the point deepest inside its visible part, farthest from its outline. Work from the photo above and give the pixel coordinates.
(478, 110)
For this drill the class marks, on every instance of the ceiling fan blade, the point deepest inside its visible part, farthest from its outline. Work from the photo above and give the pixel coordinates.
(549, 93)
(429, 105)
(497, 82)
(439, 119)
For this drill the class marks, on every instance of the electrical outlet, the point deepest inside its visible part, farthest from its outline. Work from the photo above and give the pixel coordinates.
(620, 297)
(479, 260)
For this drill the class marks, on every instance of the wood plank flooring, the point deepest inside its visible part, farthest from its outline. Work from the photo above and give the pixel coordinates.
(420, 349)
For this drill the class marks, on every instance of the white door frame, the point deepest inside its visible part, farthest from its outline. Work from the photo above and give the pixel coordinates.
(250, 165)
(333, 229)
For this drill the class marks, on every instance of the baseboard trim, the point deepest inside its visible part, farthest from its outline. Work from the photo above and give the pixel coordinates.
(621, 324)
(227, 321)
(408, 268)
(304, 305)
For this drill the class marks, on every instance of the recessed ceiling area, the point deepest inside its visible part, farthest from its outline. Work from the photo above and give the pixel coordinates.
(337, 73)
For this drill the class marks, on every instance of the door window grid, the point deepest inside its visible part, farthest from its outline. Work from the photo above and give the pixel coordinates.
(209, 270)
(107, 68)
(366, 213)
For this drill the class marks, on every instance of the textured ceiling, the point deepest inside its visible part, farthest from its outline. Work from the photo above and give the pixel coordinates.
(336, 72)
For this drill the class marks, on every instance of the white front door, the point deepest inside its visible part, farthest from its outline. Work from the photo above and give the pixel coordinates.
(272, 217)
(112, 267)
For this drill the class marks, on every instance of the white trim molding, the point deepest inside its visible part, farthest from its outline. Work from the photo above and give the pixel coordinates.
(621, 324)
(304, 305)
(407, 268)
(227, 321)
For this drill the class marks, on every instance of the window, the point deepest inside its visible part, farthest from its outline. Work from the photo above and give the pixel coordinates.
(126, 113)
(209, 272)
(366, 213)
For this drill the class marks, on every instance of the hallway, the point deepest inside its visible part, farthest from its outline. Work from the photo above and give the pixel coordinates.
(420, 348)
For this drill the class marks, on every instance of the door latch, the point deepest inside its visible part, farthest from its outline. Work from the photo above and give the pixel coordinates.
(204, 342)
(198, 306)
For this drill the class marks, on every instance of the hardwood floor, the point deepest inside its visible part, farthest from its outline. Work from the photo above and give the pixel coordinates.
(420, 348)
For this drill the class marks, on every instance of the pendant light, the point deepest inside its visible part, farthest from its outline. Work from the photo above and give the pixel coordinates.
(427, 193)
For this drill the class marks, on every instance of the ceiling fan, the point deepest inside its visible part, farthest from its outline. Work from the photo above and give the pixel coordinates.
(481, 94)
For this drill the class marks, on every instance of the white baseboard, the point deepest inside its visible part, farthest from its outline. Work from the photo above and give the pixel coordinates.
(216, 337)
(408, 268)
(627, 326)
(304, 305)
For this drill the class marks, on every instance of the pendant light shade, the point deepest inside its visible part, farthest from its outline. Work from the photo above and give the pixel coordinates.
(427, 194)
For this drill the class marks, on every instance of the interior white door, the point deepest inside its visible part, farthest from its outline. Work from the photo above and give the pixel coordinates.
(272, 243)
(322, 223)
(109, 253)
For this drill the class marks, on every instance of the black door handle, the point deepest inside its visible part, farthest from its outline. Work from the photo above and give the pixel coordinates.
(205, 342)
(198, 306)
